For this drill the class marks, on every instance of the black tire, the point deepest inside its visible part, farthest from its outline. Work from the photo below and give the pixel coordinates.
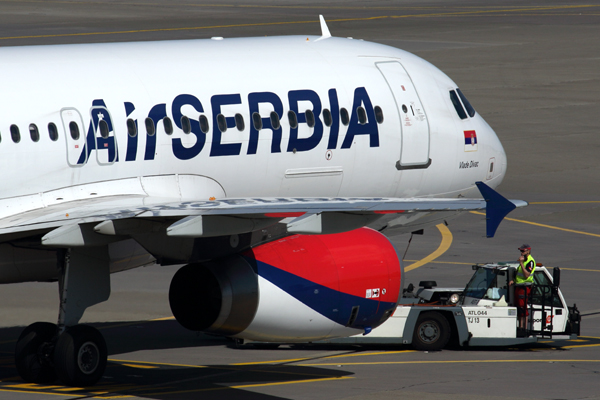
(31, 360)
(80, 356)
(432, 332)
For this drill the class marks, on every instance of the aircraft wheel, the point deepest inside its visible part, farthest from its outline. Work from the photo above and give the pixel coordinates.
(80, 356)
(32, 353)
(432, 332)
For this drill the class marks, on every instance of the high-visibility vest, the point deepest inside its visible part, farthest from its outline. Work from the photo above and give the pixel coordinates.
(520, 278)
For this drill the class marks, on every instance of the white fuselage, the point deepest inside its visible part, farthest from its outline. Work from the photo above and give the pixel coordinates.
(119, 81)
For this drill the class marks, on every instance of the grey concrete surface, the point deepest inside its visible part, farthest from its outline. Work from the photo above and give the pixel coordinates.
(530, 68)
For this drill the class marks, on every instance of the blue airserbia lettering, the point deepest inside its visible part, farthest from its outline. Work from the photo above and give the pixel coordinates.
(309, 143)
(218, 148)
(132, 140)
(334, 129)
(355, 128)
(179, 150)
(254, 100)
(100, 138)
(156, 114)
(304, 136)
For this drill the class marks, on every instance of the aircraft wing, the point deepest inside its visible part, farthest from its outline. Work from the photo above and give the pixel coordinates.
(78, 222)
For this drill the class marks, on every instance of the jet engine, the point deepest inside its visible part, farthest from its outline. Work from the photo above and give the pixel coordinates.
(293, 289)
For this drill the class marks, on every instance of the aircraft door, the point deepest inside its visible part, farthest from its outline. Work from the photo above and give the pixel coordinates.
(75, 136)
(104, 135)
(414, 124)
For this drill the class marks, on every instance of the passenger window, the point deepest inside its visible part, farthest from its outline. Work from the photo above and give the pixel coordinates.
(239, 122)
(274, 120)
(310, 118)
(186, 125)
(204, 126)
(15, 134)
(362, 115)
(131, 128)
(345, 117)
(468, 106)
(257, 121)
(457, 106)
(103, 128)
(74, 129)
(292, 119)
(378, 115)
(222, 123)
(168, 125)
(53, 132)
(150, 129)
(327, 117)
(34, 133)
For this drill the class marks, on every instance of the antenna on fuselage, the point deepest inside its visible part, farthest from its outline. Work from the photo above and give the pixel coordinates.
(325, 34)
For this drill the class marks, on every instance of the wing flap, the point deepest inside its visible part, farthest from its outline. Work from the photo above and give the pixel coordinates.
(229, 216)
(217, 225)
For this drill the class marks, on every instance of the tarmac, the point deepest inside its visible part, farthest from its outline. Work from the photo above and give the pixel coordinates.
(531, 70)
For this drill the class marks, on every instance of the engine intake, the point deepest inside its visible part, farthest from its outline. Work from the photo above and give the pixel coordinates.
(219, 297)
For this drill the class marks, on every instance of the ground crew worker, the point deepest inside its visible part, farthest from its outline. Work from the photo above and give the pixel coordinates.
(523, 282)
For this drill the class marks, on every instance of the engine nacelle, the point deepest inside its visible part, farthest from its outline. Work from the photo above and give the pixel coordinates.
(298, 288)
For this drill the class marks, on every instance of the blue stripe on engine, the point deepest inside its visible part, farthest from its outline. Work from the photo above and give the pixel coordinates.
(330, 303)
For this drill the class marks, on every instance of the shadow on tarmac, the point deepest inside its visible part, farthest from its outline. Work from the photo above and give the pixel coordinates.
(161, 380)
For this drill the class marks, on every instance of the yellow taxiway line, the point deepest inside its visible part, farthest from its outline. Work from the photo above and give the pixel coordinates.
(544, 225)
(470, 12)
(444, 246)
(448, 362)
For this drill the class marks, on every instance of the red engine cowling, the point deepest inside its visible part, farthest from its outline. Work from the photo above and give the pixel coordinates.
(293, 289)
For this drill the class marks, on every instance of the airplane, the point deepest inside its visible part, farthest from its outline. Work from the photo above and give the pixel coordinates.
(274, 168)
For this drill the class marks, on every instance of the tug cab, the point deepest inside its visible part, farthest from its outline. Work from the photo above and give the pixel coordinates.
(548, 311)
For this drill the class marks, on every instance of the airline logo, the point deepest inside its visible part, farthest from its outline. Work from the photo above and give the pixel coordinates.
(470, 141)
(306, 105)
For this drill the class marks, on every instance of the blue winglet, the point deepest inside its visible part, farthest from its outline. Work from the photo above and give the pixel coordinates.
(496, 209)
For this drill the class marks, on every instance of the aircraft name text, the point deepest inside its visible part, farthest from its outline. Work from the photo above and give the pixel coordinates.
(468, 164)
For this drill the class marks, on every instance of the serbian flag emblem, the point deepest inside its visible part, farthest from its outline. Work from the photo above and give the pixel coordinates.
(470, 141)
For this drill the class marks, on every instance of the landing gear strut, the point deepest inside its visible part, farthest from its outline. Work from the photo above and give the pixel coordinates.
(75, 354)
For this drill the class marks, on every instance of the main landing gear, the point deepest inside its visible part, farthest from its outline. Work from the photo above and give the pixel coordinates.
(75, 354)
(77, 357)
